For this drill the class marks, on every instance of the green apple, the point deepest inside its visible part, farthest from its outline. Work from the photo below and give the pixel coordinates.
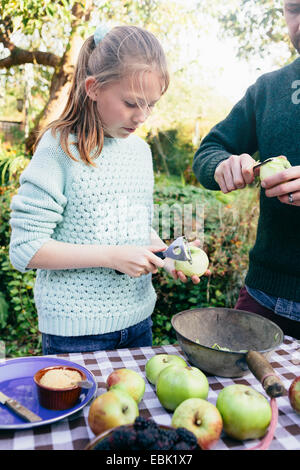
(199, 263)
(201, 418)
(246, 413)
(176, 384)
(294, 394)
(111, 409)
(127, 380)
(157, 363)
(271, 168)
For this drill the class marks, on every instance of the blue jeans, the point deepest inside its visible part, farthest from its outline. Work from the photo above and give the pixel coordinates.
(135, 336)
(286, 308)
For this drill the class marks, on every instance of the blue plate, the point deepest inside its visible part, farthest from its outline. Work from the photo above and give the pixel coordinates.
(16, 381)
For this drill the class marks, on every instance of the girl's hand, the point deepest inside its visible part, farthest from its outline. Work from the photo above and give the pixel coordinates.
(235, 172)
(170, 268)
(136, 260)
(283, 184)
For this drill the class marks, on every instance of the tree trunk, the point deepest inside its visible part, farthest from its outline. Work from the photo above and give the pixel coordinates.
(61, 79)
(59, 89)
(161, 152)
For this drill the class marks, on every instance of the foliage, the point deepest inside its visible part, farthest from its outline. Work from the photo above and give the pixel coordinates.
(176, 127)
(182, 117)
(18, 318)
(12, 162)
(172, 151)
(47, 27)
(259, 26)
(30, 15)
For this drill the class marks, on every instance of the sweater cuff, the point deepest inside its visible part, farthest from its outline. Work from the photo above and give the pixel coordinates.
(212, 166)
(21, 256)
(205, 171)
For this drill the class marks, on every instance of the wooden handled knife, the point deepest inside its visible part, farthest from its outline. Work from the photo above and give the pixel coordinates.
(19, 409)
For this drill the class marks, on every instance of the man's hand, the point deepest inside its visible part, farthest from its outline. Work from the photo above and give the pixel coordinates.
(284, 184)
(235, 172)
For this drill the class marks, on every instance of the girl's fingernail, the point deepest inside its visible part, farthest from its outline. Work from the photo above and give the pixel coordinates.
(263, 184)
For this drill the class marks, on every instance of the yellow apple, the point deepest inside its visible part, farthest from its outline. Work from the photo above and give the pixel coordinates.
(200, 417)
(111, 409)
(127, 380)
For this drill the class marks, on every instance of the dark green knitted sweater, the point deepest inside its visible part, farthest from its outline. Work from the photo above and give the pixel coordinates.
(266, 119)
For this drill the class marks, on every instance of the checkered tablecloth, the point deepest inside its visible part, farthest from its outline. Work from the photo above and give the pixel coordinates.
(73, 433)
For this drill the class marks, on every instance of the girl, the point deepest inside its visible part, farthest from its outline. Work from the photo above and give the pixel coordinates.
(84, 208)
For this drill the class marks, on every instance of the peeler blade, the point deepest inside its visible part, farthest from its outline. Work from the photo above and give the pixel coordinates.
(259, 164)
(178, 250)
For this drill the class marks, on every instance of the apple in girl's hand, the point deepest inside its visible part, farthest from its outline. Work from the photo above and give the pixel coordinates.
(274, 166)
(246, 413)
(201, 418)
(176, 384)
(199, 263)
(159, 362)
(294, 394)
(112, 408)
(128, 381)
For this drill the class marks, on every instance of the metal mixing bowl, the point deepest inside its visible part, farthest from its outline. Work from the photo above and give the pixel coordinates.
(198, 330)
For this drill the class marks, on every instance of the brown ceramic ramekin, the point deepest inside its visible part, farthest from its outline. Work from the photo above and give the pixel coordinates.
(57, 398)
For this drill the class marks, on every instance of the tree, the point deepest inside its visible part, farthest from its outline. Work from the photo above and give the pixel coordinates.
(259, 26)
(51, 34)
(28, 17)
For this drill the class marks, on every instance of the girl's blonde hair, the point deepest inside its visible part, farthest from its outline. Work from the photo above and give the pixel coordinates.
(124, 50)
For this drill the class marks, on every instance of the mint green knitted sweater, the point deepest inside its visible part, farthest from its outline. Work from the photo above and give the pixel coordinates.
(68, 201)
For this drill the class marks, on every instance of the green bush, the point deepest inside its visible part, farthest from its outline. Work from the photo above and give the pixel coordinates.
(172, 151)
(229, 232)
(18, 317)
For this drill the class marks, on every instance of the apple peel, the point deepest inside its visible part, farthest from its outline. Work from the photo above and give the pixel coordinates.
(264, 444)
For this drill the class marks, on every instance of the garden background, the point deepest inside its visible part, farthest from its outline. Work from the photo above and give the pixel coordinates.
(214, 51)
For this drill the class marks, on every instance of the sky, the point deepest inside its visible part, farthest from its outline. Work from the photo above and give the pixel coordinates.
(217, 55)
(227, 74)
(234, 75)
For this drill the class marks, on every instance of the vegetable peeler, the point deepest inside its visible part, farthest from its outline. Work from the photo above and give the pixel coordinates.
(259, 164)
(178, 250)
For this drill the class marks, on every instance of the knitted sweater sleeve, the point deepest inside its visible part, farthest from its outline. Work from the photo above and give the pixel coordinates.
(38, 206)
(235, 135)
